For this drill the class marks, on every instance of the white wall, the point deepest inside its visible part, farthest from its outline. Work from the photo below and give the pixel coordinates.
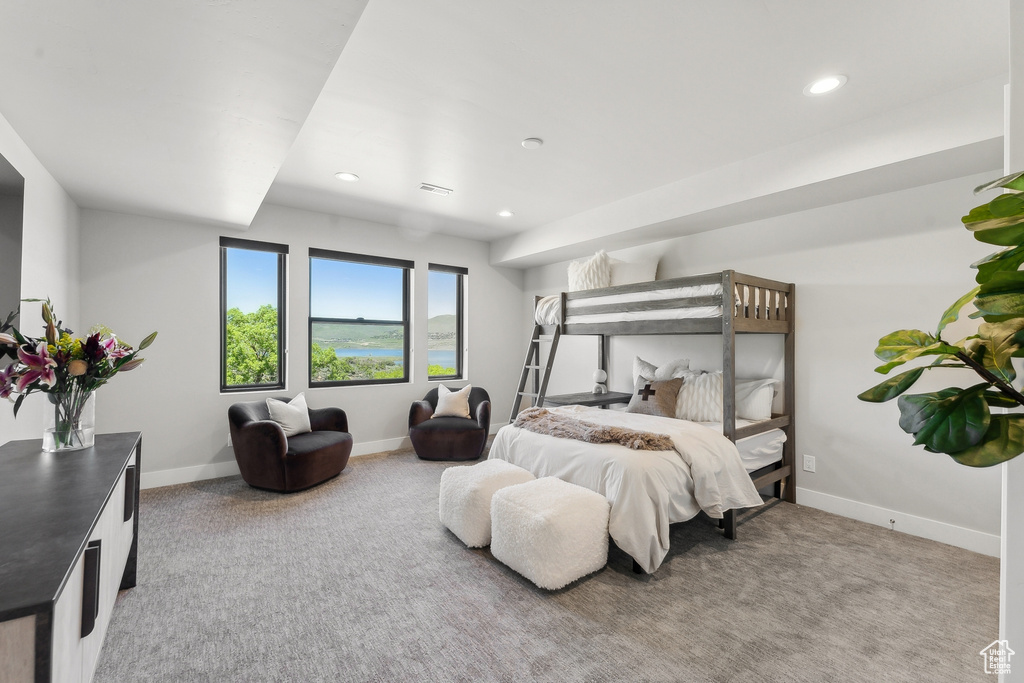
(148, 274)
(862, 269)
(49, 265)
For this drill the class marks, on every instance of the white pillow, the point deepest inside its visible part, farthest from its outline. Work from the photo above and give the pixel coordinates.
(671, 370)
(590, 273)
(452, 403)
(700, 398)
(623, 273)
(293, 416)
(754, 398)
(642, 368)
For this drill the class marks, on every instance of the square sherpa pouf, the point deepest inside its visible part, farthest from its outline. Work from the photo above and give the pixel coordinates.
(465, 499)
(550, 531)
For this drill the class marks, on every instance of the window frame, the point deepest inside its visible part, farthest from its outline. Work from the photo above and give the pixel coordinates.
(282, 334)
(460, 349)
(406, 323)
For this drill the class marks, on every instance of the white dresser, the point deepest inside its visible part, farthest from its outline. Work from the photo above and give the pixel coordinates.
(68, 543)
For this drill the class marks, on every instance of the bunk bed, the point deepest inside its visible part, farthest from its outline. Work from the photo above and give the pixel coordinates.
(725, 303)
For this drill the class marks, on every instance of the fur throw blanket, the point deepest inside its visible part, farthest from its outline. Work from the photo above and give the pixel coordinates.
(543, 421)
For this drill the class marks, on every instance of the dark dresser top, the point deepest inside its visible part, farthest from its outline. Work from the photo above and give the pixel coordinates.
(49, 504)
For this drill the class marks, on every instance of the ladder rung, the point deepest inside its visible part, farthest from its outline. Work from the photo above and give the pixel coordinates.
(531, 367)
(525, 393)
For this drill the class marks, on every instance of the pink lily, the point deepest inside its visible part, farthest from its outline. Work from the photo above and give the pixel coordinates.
(7, 378)
(7, 340)
(114, 349)
(40, 367)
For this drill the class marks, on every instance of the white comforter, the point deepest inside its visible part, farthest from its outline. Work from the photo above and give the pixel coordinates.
(648, 490)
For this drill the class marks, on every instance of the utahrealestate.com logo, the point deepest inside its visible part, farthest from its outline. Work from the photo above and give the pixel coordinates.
(997, 657)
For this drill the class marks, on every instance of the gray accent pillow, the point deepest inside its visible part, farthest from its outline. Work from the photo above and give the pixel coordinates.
(655, 398)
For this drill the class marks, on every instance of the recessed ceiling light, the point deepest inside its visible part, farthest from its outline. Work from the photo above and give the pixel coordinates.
(825, 85)
(346, 176)
(532, 143)
(505, 213)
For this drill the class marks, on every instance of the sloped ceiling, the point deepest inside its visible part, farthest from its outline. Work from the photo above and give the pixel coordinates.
(659, 118)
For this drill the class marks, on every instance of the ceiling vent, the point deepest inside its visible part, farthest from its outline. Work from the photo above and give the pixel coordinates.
(443, 191)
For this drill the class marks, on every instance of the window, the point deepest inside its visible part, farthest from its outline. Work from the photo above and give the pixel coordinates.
(252, 331)
(358, 319)
(444, 322)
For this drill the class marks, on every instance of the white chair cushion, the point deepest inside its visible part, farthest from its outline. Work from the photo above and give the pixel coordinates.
(465, 499)
(550, 531)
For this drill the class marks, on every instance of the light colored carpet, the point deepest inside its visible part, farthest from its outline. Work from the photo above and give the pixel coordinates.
(356, 580)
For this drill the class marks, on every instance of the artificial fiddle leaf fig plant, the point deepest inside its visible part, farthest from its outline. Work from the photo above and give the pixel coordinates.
(955, 421)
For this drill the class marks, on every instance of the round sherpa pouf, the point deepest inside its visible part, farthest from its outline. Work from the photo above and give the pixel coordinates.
(550, 531)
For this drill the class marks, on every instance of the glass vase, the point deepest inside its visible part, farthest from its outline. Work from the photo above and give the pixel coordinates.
(70, 421)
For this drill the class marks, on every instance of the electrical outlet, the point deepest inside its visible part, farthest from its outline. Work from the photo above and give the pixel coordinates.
(808, 463)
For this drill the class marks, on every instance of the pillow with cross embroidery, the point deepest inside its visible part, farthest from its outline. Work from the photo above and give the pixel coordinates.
(655, 398)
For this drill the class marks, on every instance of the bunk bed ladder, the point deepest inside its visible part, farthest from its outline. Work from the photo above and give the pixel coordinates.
(541, 373)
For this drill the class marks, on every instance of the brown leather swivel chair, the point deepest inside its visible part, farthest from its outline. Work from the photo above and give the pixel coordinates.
(268, 459)
(450, 438)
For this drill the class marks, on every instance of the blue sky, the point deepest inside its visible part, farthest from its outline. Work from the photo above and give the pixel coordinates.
(251, 278)
(441, 293)
(340, 289)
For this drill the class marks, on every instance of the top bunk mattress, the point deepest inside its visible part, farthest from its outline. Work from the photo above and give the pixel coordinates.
(548, 310)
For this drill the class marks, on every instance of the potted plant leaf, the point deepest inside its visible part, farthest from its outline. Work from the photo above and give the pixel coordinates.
(959, 421)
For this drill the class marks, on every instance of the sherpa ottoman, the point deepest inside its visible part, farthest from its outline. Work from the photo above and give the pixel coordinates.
(465, 499)
(550, 531)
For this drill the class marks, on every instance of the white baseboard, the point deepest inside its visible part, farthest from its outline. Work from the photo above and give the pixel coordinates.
(977, 541)
(185, 475)
(227, 468)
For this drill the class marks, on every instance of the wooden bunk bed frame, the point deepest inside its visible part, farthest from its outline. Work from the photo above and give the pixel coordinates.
(764, 307)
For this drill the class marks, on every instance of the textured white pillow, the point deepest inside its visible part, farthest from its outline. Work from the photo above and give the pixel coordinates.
(754, 398)
(671, 370)
(623, 273)
(293, 416)
(700, 398)
(452, 403)
(590, 273)
(642, 368)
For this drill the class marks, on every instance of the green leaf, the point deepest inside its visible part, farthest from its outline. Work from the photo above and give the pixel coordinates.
(905, 345)
(1007, 205)
(996, 399)
(892, 387)
(946, 421)
(17, 404)
(1002, 344)
(1005, 231)
(1002, 295)
(1003, 440)
(953, 312)
(1014, 181)
(147, 341)
(1005, 260)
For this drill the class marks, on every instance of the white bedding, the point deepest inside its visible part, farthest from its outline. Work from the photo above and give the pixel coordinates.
(548, 308)
(648, 490)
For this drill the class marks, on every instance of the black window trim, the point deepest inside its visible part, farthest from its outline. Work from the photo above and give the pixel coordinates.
(282, 277)
(407, 267)
(459, 321)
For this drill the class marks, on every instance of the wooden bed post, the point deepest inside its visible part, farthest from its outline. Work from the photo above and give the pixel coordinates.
(728, 356)
(789, 449)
